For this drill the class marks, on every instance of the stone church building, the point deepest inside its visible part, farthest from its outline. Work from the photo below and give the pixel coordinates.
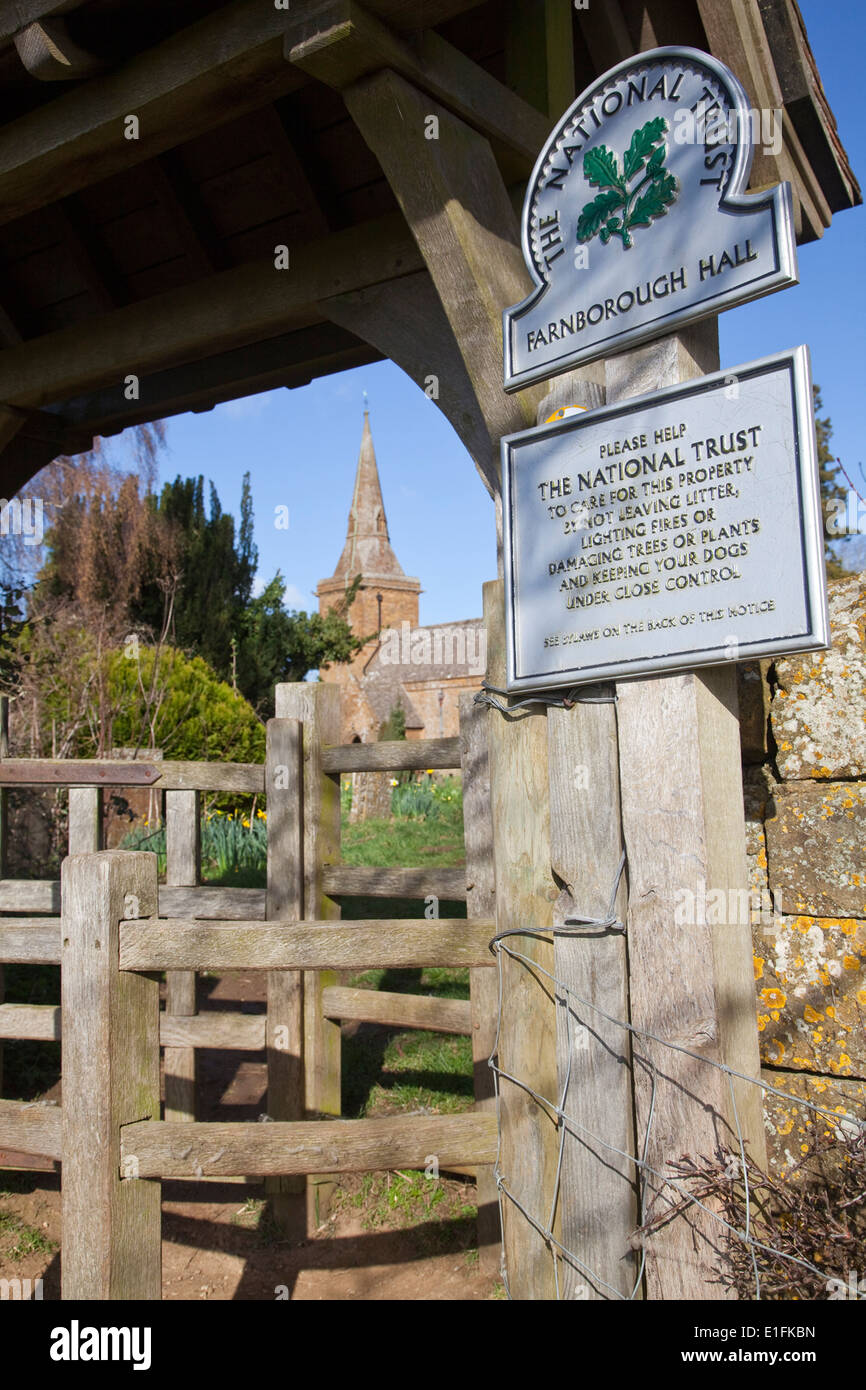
(420, 670)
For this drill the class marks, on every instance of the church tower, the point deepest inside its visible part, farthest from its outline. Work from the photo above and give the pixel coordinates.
(386, 597)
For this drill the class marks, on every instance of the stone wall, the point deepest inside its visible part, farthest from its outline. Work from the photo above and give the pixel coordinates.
(803, 725)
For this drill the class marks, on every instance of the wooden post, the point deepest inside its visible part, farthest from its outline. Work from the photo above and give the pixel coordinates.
(598, 1195)
(690, 983)
(317, 706)
(598, 1202)
(111, 1222)
(483, 984)
(525, 894)
(456, 203)
(285, 902)
(182, 869)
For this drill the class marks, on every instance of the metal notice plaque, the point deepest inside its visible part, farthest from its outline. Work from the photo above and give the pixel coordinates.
(637, 220)
(677, 529)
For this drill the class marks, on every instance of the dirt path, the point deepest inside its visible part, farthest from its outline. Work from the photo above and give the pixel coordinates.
(217, 1243)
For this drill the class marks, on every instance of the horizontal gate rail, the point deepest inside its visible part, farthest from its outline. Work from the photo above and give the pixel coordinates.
(400, 943)
(366, 881)
(162, 776)
(29, 1127)
(30, 940)
(28, 895)
(400, 755)
(157, 1149)
(236, 1032)
(398, 1010)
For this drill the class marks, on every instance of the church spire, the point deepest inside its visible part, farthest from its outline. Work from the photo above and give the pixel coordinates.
(368, 548)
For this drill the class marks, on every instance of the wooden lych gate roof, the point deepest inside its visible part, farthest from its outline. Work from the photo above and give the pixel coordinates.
(145, 246)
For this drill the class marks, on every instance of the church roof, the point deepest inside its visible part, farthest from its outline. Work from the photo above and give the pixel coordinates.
(368, 547)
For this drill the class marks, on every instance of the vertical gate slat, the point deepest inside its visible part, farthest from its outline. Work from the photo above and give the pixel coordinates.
(525, 893)
(317, 706)
(183, 869)
(285, 902)
(483, 984)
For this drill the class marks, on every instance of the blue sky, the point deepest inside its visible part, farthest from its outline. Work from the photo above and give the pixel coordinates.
(301, 446)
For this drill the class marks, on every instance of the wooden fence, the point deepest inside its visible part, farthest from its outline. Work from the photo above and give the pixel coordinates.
(117, 927)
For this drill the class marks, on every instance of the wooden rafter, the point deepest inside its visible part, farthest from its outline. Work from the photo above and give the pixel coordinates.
(293, 170)
(453, 197)
(90, 258)
(228, 310)
(183, 207)
(209, 73)
(338, 42)
(16, 15)
(605, 34)
(289, 359)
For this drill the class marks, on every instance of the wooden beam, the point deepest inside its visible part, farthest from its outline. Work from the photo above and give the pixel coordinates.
(233, 1031)
(392, 756)
(338, 43)
(228, 310)
(40, 1022)
(270, 123)
(50, 54)
(286, 360)
(23, 457)
(559, 45)
(736, 35)
(806, 103)
(216, 904)
(30, 940)
(393, 944)
(209, 73)
(31, 1128)
(605, 34)
(390, 316)
(176, 197)
(453, 198)
(364, 881)
(15, 15)
(396, 1010)
(27, 895)
(32, 772)
(318, 1146)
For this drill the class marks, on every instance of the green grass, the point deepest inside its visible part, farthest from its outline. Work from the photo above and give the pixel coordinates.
(17, 1239)
(407, 842)
(435, 1210)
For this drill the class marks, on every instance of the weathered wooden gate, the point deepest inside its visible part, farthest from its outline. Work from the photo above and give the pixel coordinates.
(116, 925)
